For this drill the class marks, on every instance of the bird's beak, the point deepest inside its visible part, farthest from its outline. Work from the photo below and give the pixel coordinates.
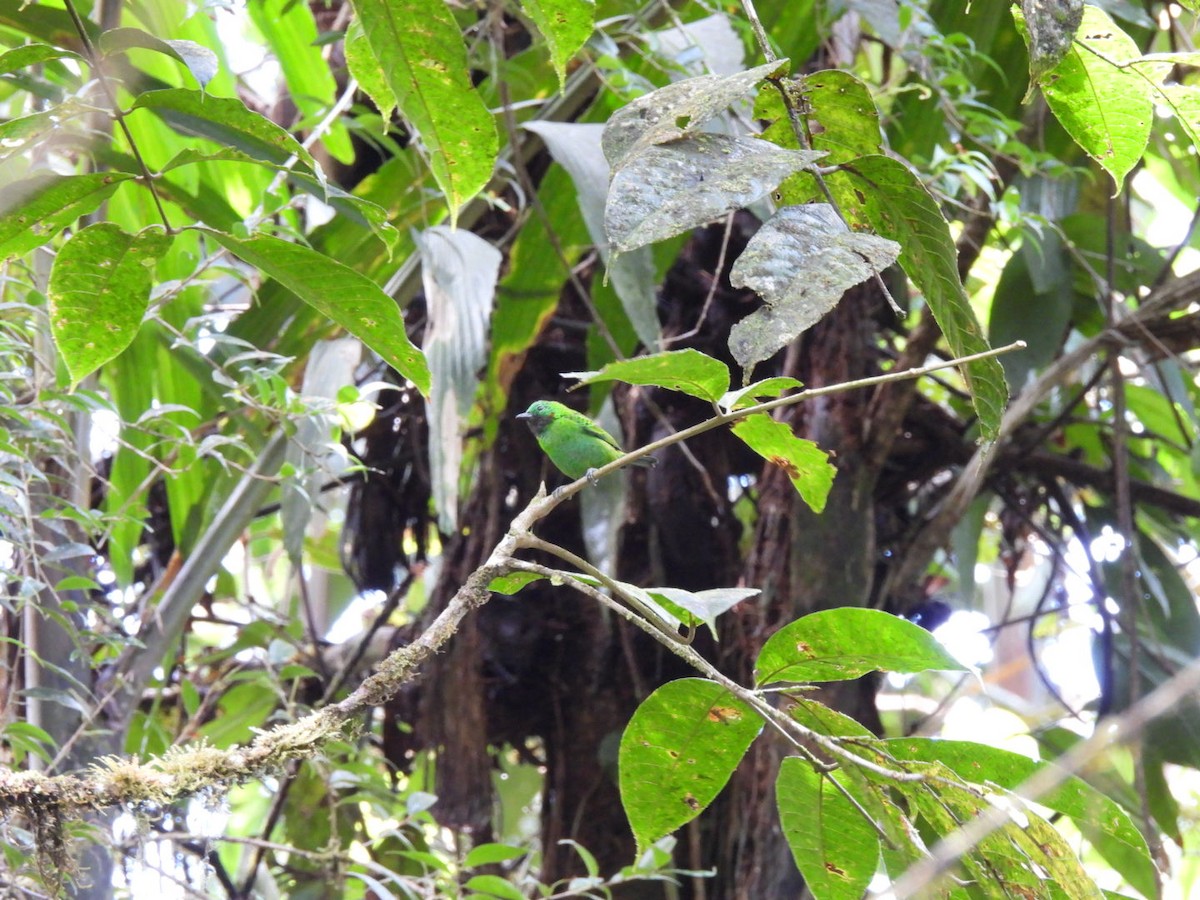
(524, 415)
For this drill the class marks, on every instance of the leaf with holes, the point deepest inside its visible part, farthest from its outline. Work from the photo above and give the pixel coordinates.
(668, 189)
(841, 644)
(99, 289)
(801, 262)
(678, 751)
(676, 110)
(835, 846)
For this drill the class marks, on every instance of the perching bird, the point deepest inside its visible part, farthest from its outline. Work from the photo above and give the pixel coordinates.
(574, 443)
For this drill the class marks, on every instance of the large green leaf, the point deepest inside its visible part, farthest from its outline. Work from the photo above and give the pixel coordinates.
(348, 298)
(884, 194)
(1100, 820)
(226, 121)
(1106, 108)
(35, 209)
(677, 753)
(420, 52)
(835, 847)
(845, 643)
(99, 289)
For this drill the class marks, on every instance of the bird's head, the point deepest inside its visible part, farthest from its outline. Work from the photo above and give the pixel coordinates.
(539, 415)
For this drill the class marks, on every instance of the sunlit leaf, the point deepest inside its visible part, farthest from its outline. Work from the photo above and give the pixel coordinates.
(1107, 110)
(99, 289)
(678, 751)
(226, 121)
(845, 643)
(421, 54)
(33, 210)
(565, 24)
(1102, 822)
(348, 298)
(688, 371)
(835, 847)
(807, 465)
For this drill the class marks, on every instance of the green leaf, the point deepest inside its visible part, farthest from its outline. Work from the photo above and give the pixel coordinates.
(420, 51)
(1107, 110)
(35, 209)
(841, 644)
(18, 135)
(348, 298)
(678, 751)
(884, 194)
(226, 121)
(701, 607)
(291, 33)
(99, 290)
(667, 189)
(837, 103)
(1102, 821)
(835, 847)
(494, 886)
(365, 68)
(199, 60)
(565, 24)
(768, 388)
(357, 209)
(806, 464)
(688, 371)
(802, 261)
(32, 54)
(819, 717)
(512, 582)
(487, 854)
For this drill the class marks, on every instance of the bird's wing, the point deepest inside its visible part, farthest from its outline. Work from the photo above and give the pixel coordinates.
(596, 431)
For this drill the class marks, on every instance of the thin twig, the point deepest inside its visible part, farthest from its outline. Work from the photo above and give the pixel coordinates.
(94, 59)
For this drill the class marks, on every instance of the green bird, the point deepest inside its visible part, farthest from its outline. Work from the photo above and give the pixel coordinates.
(574, 443)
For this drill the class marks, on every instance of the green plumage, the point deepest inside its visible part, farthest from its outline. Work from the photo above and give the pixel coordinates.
(573, 442)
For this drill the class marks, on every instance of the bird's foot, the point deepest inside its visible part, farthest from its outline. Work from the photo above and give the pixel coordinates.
(591, 477)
